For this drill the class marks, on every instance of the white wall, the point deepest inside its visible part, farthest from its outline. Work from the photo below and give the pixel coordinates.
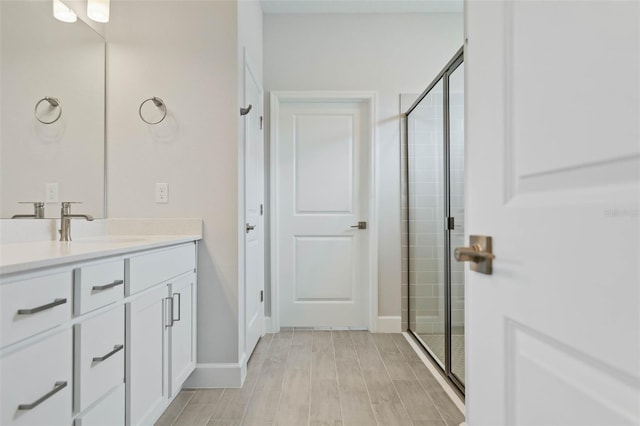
(186, 53)
(390, 54)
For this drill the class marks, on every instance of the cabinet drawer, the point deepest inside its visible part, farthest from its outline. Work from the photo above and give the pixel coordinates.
(33, 305)
(108, 412)
(152, 268)
(97, 285)
(36, 383)
(99, 348)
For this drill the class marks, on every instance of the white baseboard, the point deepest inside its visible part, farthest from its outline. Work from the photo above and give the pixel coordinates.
(389, 325)
(268, 325)
(221, 375)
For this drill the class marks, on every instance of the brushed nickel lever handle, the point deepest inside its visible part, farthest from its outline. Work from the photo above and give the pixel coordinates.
(472, 254)
(360, 225)
(479, 254)
(249, 227)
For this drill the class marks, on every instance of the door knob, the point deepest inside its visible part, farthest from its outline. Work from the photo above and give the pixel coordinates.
(479, 254)
(249, 227)
(360, 225)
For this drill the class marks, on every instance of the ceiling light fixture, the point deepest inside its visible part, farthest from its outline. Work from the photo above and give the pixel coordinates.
(62, 12)
(98, 10)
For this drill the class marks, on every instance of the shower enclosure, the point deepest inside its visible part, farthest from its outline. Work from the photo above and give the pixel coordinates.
(435, 219)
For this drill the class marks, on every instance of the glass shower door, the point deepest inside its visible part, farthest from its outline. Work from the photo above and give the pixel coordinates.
(435, 218)
(456, 211)
(427, 261)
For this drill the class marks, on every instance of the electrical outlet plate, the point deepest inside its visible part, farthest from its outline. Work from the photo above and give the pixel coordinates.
(51, 192)
(162, 193)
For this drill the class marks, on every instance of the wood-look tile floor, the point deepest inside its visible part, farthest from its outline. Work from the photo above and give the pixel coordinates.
(315, 378)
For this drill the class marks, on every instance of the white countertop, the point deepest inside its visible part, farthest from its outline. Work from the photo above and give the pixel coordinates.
(20, 257)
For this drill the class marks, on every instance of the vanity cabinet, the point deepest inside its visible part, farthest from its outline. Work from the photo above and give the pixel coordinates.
(161, 334)
(106, 341)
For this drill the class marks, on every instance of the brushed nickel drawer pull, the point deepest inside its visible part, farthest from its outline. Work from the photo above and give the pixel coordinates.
(169, 308)
(116, 349)
(107, 286)
(35, 310)
(56, 388)
(179, 303)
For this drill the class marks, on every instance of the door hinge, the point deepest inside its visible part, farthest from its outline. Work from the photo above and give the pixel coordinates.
(260, 122)
(262, 295)
(261, 209)
(451, 223)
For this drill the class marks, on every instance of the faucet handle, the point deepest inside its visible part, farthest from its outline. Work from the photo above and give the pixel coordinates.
(66, 206)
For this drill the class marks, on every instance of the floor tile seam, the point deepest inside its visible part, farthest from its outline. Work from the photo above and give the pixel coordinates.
(310, 381)
(400, 349)
(425, 389)
(393, 384)
(365, 381)
(215, 405)
(175, 419)
(335, 368)
(275, 418)
(246, 407)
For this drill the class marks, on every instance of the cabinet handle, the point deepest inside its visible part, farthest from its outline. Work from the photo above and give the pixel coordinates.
(170, 308)
(42, 308)
(107, 286)
(56, 388)
(174, 319)
(116, 349)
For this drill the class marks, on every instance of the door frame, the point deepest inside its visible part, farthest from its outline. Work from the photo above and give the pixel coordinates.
(277, 98)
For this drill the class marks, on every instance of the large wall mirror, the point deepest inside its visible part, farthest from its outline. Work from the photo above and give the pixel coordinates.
(51, 72)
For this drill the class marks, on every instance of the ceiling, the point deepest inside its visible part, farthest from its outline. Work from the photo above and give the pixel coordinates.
(362, 6)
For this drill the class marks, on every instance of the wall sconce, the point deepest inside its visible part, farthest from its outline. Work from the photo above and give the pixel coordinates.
(63, 13)
(98, 10)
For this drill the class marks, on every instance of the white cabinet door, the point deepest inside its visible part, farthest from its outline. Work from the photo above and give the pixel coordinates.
(182, 339)
(146, 369)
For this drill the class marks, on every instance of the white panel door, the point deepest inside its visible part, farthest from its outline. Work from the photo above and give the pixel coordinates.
(254, 219)
(553, 175)
(322, 192)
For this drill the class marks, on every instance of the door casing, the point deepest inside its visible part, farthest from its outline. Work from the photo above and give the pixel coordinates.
(278, 97)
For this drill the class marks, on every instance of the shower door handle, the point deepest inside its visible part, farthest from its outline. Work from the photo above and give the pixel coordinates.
(479, 254)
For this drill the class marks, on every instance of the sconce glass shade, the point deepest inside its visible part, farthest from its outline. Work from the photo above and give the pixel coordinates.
(98, 10)
(62, 13)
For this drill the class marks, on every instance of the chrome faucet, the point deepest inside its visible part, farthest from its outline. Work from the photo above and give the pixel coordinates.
(38, 210)
(65, 220)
